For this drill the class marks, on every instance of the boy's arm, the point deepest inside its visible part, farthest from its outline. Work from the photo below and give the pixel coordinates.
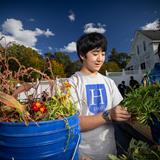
(90, 122)
(93, 121)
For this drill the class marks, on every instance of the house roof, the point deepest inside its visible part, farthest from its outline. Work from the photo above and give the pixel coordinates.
(152, 34)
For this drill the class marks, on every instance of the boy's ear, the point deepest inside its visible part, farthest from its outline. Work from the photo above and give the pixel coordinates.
(82, 57)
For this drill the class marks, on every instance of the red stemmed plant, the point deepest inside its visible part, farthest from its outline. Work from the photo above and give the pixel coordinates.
(35, 108)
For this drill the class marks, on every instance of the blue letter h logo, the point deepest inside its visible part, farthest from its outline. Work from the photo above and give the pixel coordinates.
(96, 97)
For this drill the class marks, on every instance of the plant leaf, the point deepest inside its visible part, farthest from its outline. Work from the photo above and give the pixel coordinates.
(10, 101)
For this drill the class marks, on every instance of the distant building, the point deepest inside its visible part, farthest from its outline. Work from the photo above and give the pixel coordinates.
(144, 50)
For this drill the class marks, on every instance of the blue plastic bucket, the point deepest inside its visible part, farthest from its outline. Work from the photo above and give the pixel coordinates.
(49, 140)
(155, 73)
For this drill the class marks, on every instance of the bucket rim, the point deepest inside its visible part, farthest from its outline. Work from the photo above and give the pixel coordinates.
(39, 122)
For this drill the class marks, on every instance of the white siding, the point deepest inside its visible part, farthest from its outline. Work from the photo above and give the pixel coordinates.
(147, 56)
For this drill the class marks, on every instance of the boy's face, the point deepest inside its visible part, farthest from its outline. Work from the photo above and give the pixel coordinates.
(94, 60)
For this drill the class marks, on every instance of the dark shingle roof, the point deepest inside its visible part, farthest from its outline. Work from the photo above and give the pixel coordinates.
(152, 34)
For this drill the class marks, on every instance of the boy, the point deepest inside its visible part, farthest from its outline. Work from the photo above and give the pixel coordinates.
(98, 99)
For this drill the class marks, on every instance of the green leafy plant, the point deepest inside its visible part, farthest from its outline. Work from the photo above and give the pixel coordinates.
(139, 150)
(143, 101)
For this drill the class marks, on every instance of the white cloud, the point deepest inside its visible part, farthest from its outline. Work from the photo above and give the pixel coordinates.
(31, 19)
(70, 48)
(152, 26)
(71, 16)
(91, 27)
(13, 30)
(12, 26)
(48, 33)
(50, 48)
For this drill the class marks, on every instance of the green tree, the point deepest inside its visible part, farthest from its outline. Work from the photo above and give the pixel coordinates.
(49, 55)
(62, 58)
(73, 67)
(57, 69)
(121, 59)
(111, 66)
(26, 56)
(69, 66)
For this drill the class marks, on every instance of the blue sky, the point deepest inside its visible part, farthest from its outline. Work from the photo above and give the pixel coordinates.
(55, 25)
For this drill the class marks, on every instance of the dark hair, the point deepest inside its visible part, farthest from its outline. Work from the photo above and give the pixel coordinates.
(131, 77)
(90, 41)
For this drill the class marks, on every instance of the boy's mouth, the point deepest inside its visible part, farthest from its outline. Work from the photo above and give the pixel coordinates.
(99, 64)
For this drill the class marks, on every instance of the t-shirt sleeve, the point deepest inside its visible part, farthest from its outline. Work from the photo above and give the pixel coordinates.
(74, 91)
(116, 96)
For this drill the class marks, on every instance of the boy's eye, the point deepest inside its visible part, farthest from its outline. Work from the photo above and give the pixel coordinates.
(95, 53)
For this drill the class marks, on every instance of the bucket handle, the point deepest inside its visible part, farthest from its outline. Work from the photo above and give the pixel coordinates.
(75, 150)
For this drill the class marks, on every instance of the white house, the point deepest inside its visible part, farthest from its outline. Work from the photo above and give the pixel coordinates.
(144, 50)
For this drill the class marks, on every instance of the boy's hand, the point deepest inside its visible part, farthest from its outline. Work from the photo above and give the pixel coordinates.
(119, 113)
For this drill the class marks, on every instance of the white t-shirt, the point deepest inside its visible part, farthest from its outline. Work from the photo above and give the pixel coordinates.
(95, 94)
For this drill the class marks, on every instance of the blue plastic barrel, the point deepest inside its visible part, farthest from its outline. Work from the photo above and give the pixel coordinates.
(155, 73)
(47, 140)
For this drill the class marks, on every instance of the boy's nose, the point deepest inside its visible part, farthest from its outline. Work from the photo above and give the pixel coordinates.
(100, 57)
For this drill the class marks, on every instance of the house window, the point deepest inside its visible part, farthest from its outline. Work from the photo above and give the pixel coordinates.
(129, 68)
(144, 45)
(138, 50)
(143, 66)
